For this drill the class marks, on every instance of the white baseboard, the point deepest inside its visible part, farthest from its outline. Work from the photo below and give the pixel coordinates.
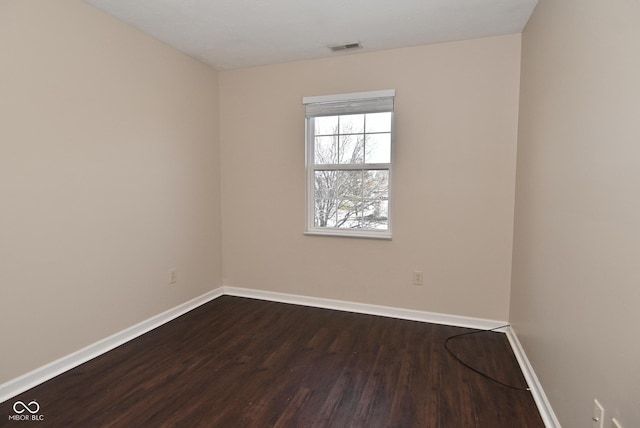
(544, 407)
(361, 308)
(29, 380)
(42, 374)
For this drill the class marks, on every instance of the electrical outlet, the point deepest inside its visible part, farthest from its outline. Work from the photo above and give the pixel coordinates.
(597, 419)
(418, 277)
(173, 276)
(615, 423)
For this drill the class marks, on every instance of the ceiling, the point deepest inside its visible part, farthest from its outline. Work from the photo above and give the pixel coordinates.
(229, 34)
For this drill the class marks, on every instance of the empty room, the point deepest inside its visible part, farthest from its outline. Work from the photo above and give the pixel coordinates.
(418, 213)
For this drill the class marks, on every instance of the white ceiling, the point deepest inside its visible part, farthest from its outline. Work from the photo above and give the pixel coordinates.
(228, 34)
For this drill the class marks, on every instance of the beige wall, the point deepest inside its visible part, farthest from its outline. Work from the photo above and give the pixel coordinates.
(109, 176)
(576, 271)
(456, 131)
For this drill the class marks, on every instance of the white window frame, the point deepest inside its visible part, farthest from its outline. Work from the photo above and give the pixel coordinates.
(333, 105)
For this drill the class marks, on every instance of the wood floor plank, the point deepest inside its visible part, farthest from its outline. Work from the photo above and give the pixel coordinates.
(237, 362)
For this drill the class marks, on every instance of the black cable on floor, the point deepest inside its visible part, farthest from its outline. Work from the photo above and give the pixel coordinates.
(517, 388)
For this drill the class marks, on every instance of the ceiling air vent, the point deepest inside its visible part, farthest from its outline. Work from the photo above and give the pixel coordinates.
(345, 47)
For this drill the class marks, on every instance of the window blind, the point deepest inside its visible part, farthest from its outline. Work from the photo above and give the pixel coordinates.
(355, 103)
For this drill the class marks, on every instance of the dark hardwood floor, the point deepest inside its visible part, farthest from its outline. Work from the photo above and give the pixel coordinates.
(238, 362)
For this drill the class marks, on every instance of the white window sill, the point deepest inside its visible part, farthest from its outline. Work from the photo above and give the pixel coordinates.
(350, 234)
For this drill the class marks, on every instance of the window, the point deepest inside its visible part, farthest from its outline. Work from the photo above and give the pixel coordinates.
(349, 146)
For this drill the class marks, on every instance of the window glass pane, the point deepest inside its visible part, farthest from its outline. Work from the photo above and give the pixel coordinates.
(348, 184)
(326, 205)
(326, 125)
(351, 149)
(348, 215)
(378, 122)
(325, 184)
(325, 213)
(378, 148)
(352, 124)
(375, 184)
(326, 150)
(335, 195)
(376, 214)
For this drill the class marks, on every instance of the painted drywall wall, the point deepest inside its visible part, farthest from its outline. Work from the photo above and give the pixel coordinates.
(453, 184)
(109, 176)
(576, 268)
